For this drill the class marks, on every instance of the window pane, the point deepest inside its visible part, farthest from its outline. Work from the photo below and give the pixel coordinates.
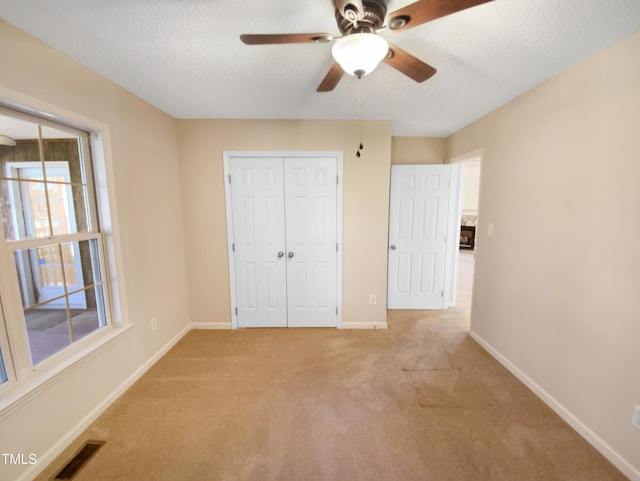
(26, 152)
(26, 208)
(40, 276)
(3, 371)
(53, 278)
(68, 207)
(47, 330)
(63, 219)
(82, 269)
(59, 191)
(93, 317)
(61, 146)
(93, 295)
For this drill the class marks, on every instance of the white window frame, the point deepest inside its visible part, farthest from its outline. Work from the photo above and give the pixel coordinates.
(23, 378)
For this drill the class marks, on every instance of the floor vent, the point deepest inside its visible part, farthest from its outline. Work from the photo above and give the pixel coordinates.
(79, 460)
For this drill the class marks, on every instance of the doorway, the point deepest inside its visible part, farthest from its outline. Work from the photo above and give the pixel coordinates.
(283, 225)
(471, 165)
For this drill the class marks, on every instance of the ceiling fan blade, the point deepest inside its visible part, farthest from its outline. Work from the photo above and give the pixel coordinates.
(332, 78)
(278, 38)
(408, 64)
(352, 10)
(426, 10)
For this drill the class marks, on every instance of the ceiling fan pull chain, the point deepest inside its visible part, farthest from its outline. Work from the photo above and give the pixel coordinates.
(361, 145)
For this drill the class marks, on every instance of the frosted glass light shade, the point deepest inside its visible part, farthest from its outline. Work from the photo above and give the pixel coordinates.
(360, 52)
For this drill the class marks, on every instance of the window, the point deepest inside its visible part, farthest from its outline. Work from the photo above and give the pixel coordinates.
(54, 292)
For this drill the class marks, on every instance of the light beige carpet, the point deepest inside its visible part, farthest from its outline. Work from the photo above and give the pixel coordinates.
(419, 402)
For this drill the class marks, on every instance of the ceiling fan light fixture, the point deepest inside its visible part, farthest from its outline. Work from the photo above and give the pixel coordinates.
(360, 53)
(398, 23)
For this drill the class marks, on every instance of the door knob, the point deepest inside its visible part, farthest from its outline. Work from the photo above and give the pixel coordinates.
(280, 254)
(392, 247)
(290, 255)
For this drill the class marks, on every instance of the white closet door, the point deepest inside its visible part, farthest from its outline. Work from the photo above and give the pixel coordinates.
(417, 236)
(311, 233)
(257, 198)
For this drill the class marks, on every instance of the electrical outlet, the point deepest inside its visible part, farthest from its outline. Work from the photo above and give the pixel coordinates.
(373, 299)
(154, 324)
(490, 229)
(635, 421)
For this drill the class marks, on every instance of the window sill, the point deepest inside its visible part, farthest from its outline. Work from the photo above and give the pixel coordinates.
(14, 394)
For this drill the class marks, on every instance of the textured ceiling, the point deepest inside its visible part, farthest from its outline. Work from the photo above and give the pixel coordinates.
(186, 58)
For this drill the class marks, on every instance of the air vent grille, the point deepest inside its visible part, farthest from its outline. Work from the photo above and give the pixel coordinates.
(79, 460)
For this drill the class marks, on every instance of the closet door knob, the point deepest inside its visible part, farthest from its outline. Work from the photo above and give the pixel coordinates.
(280, 254)
(290, 255)
(393, 247)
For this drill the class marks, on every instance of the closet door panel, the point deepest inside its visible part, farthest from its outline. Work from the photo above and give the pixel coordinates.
(257, 202)
(311, 237)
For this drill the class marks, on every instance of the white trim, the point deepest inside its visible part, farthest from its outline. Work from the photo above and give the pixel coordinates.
(210, 325)
(344, 325)
(474, 155)
(452, 245)
(365, 325)
(230, 255)
(339, 220)
(607, 451)
(65, 441)
(227, 156)
(20, 392)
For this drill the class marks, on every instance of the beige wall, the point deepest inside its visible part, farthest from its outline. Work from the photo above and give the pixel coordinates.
(418, 150)
(143, 145)
(557, 286)
(470, 187)
(366, 206)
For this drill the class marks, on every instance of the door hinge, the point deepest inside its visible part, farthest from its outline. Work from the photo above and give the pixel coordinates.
(336, 247)
(229, 178)
(233, 247)
(441, 293)
(236, 311)
(336, 311)
(337, 179)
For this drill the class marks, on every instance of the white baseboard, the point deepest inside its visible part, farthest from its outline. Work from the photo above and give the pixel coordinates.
(365, 325)
(47, 458)
(345, 325)
(613, 456)
(210, 325)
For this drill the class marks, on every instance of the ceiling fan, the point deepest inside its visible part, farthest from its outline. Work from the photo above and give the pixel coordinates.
(359, 49)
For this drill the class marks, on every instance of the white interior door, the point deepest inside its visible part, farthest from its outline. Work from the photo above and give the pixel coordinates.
(285, 235)
(311, 202)
(257, 199)
(418, 221)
